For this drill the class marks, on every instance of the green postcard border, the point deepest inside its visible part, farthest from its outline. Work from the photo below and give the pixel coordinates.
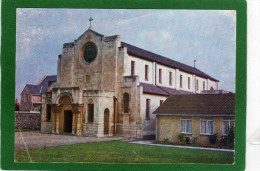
(8, 79)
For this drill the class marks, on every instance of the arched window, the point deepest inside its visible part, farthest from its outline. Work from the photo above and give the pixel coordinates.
(126, 102)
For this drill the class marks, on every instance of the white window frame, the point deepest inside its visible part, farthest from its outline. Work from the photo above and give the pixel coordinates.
(186, 119)
(207, 123)
(227, 120)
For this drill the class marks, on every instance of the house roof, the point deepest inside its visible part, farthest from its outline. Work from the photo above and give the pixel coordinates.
(198, 104)
(44, 83)
(34, 89)
(42, 87)
(144, 54)
(160, 90)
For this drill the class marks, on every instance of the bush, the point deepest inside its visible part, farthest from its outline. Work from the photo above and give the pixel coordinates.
(231, 137)
(166, 140)
(213, 138)
(187, 140)
(194, 140)
(181, 137)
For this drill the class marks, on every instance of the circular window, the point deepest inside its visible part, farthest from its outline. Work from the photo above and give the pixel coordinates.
(90, 53)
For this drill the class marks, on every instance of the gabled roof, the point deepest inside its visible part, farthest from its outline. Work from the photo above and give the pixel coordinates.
(198, 104)
(42, 87)
(44, 83)
(159, 90)
(34, 89)
(144, 54)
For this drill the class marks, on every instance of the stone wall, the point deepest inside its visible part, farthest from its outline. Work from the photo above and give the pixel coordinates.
(169, 128)
(28, 120)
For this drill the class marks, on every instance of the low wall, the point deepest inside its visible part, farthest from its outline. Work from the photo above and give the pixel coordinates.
(28, 120)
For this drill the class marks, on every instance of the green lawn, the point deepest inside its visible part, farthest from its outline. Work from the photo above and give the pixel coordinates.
(122, 152)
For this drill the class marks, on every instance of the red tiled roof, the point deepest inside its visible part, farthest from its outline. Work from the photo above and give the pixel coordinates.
(144, 54)
(198, 104)
(159, 90)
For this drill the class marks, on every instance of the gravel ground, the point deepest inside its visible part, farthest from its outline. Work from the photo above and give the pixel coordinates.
(35, 139)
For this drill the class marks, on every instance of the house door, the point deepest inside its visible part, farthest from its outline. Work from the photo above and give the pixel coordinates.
(68, 121)
(106, 121)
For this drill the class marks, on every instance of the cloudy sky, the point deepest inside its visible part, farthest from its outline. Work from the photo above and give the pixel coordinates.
(209, 36)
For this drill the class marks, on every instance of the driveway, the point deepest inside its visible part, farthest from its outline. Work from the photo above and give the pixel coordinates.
(35, 139)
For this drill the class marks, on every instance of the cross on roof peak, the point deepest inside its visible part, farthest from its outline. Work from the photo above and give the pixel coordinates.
(90, 20)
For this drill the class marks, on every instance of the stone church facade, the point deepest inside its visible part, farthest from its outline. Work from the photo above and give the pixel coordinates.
(106, 87)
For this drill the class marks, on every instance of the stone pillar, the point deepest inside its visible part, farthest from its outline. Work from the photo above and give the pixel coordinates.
(53, 120)
(57, 122)
(79, 131)
(74, 123)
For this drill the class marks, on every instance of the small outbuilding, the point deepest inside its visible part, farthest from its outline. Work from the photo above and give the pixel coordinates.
(195, 115)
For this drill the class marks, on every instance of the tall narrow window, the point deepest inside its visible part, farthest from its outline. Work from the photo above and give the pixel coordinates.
(160, 76)
(132, 68)
(203, 85)
(161, 102)
(48, 112)
(24, 98)
(180, 81)
(170, 78)
(189, 83)
(197, 85)
(90, 113)
(147, 109)
(146, 72)
(126, 102)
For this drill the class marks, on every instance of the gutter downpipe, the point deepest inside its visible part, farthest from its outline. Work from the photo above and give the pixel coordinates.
(158, 128)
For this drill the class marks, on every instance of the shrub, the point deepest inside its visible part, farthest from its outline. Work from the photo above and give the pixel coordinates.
(181, 137)
(187, 140)
(194, 140)
(213, 138)
(231, 137)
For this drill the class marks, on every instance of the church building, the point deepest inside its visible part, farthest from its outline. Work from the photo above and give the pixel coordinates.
(106, 87)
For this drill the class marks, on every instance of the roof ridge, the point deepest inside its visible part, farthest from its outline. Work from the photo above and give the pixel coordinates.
(158, 54)
(139, 52)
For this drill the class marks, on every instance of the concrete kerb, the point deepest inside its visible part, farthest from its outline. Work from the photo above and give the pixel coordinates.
(151, 142)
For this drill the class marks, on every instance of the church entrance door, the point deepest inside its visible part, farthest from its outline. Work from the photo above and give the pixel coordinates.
(68, 121)
(106, 121)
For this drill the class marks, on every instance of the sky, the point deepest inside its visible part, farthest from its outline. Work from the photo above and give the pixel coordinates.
(207, 36)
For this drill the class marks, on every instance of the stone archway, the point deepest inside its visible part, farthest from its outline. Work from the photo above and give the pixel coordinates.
(66, 114)
(106, 121)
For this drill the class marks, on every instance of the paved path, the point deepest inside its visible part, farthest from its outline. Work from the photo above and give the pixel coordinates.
(35, 139)
(151, 142)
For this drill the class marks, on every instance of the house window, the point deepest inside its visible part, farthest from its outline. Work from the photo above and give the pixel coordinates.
(132, 68)
(206, 126)
(126, 102)
(170, 78)
(203, 85)
(227, 124)
(90, 113)
(161, 102)
(180, 81)
(160, 76)
(24, 98)
(197, 85)
(186, 125)
(147, 109)
(189, 83)
(146, 72)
